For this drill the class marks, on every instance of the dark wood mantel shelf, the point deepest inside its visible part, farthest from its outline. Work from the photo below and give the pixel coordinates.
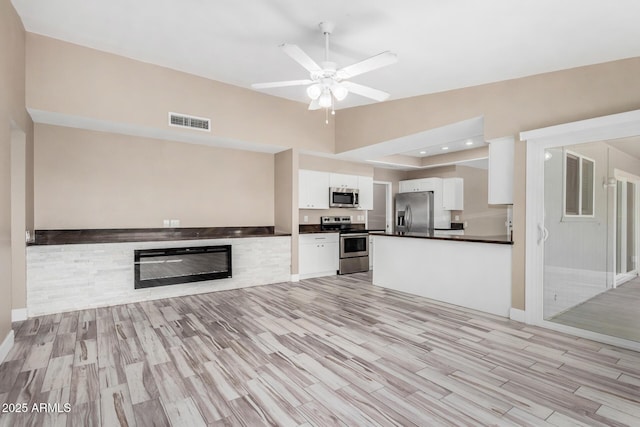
(122, 235)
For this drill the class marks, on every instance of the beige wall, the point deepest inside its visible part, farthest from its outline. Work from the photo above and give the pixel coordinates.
(518, 219)
(390, 175)
(508, 107)
(286, 199)
(74, 80)
(13, 118)
(325, 164)
(87, 179)
(19, 218)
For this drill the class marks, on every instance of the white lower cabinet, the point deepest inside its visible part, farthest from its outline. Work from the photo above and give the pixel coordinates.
(318, 254)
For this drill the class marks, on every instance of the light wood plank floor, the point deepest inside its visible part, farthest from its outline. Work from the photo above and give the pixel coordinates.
(334, 351)
(615, 312)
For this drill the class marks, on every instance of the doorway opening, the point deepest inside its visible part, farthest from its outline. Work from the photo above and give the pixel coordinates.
(380, 218)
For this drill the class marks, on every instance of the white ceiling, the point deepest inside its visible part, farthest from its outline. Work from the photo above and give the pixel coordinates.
(441, 45)
(631, 145)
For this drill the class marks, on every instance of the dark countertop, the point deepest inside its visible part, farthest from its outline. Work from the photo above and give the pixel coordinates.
(125, 235)
(317, 228)
(503, 240)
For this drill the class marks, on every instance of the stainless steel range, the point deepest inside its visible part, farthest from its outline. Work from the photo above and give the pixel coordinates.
(354, 243)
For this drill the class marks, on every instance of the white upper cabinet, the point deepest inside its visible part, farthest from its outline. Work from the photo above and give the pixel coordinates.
(412, 185)
(453, 194)
(365, 193)
(422, 184)
(313, 190)
(343, 181)
(501, 171)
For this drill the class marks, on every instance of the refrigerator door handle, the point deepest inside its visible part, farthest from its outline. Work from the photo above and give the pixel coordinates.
(409, 218)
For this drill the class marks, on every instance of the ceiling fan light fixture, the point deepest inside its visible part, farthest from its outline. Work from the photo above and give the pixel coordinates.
(325, 100)
(339, 92)
(314, 91)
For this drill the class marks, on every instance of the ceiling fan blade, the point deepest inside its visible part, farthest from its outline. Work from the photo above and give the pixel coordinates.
(281, 84)
(378, 61)
(314, 105)
(366, 91)
(301, 57)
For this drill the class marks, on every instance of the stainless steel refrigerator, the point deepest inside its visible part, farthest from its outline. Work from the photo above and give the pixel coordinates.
(414, 212)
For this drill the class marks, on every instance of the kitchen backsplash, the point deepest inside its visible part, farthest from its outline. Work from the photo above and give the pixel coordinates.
(312, 216)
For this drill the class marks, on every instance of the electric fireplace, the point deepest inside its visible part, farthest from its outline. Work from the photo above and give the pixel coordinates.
(170, 266)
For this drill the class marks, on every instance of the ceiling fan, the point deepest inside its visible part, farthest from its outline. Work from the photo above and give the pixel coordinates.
(326, 82)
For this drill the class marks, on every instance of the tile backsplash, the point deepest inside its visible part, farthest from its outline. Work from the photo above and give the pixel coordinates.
(312, 216)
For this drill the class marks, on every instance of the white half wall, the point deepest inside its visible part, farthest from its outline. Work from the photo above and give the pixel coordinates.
(469, 274)
(75, 277)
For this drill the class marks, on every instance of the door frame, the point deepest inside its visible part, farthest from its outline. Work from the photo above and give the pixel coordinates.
(621, 175)
(537, 141)
(388, 220)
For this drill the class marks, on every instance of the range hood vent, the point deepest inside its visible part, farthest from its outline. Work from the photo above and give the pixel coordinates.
(191, 122)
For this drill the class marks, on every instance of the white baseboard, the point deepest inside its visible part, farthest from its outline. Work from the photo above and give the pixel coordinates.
(18, 314)
(517, 315)
(6, 345)
(295, 277)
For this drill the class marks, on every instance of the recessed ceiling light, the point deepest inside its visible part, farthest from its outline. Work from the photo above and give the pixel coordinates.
(468, 142)
(445, 148)
(423, 152)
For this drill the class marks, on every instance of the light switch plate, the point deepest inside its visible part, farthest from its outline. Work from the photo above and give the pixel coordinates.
(305, 218)
(166, 223)
(175, 223)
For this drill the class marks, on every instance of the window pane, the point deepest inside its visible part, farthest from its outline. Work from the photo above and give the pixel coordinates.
(572, 195)
(587, 187)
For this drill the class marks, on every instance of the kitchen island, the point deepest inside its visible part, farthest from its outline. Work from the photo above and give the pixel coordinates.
(469, 271)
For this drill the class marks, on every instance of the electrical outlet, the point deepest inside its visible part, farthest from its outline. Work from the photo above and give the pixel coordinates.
(305, 218)
(166, 223)
(456, 218)
(175, 223)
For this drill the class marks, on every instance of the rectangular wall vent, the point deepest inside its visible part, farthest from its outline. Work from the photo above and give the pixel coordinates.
(191, 122)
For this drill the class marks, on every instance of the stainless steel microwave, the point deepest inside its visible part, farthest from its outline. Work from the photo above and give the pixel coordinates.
(343, 197)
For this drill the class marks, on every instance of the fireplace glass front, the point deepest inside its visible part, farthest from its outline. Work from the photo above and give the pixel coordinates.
(159, 267)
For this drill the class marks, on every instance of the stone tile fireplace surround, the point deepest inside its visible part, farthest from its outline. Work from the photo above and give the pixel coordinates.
(68, 277)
